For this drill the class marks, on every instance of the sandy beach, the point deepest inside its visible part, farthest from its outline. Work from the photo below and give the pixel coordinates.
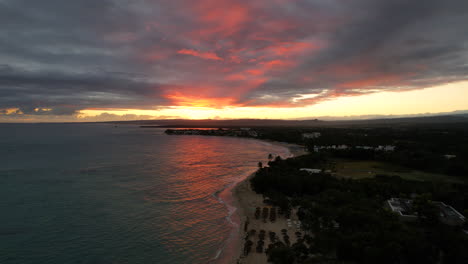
(246, 201)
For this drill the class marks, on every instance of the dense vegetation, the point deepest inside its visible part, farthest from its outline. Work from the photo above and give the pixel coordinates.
(418, 147)
(346, 220)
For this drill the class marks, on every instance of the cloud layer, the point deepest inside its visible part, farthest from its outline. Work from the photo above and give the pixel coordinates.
(59, 57)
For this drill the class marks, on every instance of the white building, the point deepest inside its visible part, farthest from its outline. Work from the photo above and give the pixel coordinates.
(311, 171)
(311, 135)
(448, 156)
(404, 208)
(253, 133)
(386, 148)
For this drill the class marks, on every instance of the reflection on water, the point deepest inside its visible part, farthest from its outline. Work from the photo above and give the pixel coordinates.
(100, 194)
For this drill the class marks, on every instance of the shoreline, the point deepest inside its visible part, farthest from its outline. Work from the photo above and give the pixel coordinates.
(242, 193)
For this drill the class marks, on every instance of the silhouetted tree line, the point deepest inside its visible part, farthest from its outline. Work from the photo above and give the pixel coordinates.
(417, 148)
(421, 148)
(416, 159)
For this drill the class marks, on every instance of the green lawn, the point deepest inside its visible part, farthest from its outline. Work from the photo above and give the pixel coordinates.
(364, 169)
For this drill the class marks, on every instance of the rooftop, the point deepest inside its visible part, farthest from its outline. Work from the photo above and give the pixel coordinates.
(404, 207)
(447, 214)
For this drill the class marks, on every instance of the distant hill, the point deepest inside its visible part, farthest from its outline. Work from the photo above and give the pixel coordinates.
(210, 123)
(373, 117)
(460, 119)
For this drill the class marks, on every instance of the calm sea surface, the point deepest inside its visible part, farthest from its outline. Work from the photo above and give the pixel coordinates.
(95, 193)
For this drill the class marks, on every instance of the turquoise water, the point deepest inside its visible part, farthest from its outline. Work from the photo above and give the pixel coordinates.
(95, 193)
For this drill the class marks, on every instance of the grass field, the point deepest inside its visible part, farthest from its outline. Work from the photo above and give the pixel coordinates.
(365, 169)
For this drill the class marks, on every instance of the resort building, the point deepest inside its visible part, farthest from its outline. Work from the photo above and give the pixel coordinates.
(252, 133)
(449, 156)
(311, 171)
(448, 215)
(345, 147)
(404, 208)
(386, 148)
(311, 135)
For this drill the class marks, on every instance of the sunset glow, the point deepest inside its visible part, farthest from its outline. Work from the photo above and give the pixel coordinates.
(439, 99)
(233, 59)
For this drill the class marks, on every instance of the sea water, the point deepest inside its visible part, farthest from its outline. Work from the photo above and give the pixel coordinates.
(104, 193)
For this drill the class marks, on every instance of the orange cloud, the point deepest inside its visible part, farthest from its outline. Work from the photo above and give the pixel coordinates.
(203, 55)
(276, 64)
(287, 49)
(236, 77)
(224, 17)
(257, 47)
(255, 72)
(180, 99)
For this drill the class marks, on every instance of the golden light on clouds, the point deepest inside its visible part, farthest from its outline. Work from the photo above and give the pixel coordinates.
(278, 59)
(445, 98)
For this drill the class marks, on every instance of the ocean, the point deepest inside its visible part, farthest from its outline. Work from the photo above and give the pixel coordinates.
(102, 194)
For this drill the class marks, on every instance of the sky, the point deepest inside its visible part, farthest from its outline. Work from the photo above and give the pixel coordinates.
(88, 60)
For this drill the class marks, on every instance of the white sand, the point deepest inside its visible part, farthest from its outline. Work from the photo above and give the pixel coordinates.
(246, 200)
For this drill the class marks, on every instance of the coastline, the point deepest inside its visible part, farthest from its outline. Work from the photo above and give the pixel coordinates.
(243, 198)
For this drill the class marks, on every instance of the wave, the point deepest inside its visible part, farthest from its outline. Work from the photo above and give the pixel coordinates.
(226, 192)
(225, 197)
(231, 211)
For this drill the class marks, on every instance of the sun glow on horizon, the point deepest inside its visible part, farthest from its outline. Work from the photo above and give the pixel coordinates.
(444, 98)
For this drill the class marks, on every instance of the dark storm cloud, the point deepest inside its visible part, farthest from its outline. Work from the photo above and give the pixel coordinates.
(66, 94)
(386, 45)
(58, 57)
